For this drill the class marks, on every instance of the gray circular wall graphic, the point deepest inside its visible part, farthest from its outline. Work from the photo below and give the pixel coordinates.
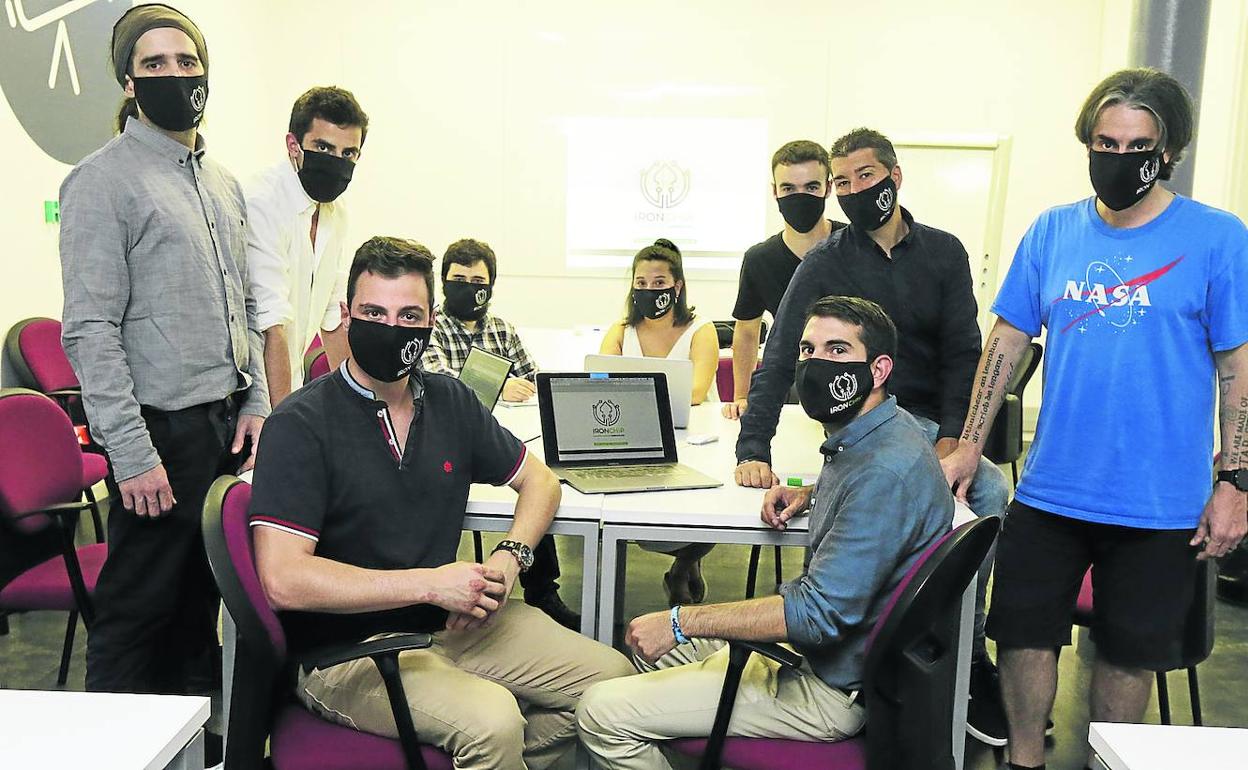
(55, 74)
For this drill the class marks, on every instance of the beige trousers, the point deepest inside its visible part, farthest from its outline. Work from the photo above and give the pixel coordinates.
(500, 697)
(621, 720)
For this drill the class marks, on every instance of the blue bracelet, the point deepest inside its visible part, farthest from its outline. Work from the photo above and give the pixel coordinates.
(676, 632)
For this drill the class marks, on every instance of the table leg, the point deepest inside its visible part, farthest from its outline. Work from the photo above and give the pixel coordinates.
(191, 757)
(229, 641)
(962, 679)
(589, 579)
(609, 583)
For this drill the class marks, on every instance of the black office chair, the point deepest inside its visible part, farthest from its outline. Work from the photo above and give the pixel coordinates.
(908, 676)
(1005, 440)
(723, 331)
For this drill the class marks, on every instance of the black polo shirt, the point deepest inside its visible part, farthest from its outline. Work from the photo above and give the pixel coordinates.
(924, 286)
(765, 274)
(329, 469)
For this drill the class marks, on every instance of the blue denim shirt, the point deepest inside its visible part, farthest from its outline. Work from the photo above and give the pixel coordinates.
(880, 500)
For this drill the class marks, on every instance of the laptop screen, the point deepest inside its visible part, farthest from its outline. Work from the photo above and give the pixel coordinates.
(485, 373)
(606, 418)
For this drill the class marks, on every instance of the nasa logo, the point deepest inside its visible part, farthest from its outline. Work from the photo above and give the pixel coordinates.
(65, 108)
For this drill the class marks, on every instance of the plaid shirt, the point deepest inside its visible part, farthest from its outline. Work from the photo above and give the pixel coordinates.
(450, 343)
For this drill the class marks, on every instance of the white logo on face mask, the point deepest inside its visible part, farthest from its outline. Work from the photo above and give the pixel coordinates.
(1150, 169)
(843, 387)
(480, 297)
(662, 301)
(410, 351)
(885, 201)
(199, 97)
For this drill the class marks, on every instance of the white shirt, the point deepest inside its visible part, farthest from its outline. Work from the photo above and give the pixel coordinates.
(296, 284)
(631, 346)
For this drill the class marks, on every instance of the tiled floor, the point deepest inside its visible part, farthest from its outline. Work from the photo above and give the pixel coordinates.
(29, 655)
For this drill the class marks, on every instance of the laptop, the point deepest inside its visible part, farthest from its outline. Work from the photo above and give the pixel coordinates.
(612, 432)
(679, 378)
(486, 373)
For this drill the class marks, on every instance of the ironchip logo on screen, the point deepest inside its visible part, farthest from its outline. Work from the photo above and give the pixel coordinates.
(55, 72)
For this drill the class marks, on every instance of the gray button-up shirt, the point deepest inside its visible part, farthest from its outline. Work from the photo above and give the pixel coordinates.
(157, 307)
(880, 500)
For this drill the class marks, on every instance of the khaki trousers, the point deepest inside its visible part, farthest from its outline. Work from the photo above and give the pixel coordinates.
(500, 697)
(621, 720)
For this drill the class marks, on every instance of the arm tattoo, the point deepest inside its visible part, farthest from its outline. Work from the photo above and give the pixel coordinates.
(993, 376)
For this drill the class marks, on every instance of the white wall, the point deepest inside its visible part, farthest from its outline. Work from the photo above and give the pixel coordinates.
(466, 101)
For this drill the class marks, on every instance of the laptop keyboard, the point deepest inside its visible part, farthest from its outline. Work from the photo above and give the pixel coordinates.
(625, 472)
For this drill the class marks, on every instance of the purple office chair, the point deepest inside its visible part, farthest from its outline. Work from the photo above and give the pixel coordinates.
(262, 703)
(34, 348)
(40, 475)
(908, 676)
(315, 364)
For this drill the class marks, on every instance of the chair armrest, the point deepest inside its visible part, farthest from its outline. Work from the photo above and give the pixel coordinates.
(64, 393)
(782, 655)
(325, 657)
(60, 509)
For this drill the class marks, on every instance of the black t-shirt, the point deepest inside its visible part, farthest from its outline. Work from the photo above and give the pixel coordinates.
(329, 470)
(765, 274)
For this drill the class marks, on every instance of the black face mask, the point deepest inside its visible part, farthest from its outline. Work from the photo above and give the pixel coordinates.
(324, 177)
(466, 301)
(386, 353)
(872, 207)
(1122, 179)
(173, 103)
(802, 211)
(833, 392)
(654, 303)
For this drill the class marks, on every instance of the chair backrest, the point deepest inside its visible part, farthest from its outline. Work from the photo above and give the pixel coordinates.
(40, 460)
(315, 364)
(260, 654)
(1024, 369)
(1004, 443)
(724, 330)
(908, 677)
(34, 347)
(723, 379)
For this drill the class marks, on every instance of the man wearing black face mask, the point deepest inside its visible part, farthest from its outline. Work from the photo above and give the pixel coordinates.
(469, 271)
(801, 182)
(161, 330)
(1142, 292)
(358, 507)
(921, 276)
(879, 502)
(296, 232)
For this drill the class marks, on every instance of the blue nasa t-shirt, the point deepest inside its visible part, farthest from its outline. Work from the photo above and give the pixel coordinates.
(1134, 316)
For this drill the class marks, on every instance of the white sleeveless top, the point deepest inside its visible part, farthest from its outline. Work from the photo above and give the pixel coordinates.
(631, 346)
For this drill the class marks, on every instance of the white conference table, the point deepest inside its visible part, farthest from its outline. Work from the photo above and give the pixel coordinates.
(102, 731)
(1167, 747)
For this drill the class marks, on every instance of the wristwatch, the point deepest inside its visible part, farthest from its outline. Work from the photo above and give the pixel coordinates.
(523, 553)
(1237, 478)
